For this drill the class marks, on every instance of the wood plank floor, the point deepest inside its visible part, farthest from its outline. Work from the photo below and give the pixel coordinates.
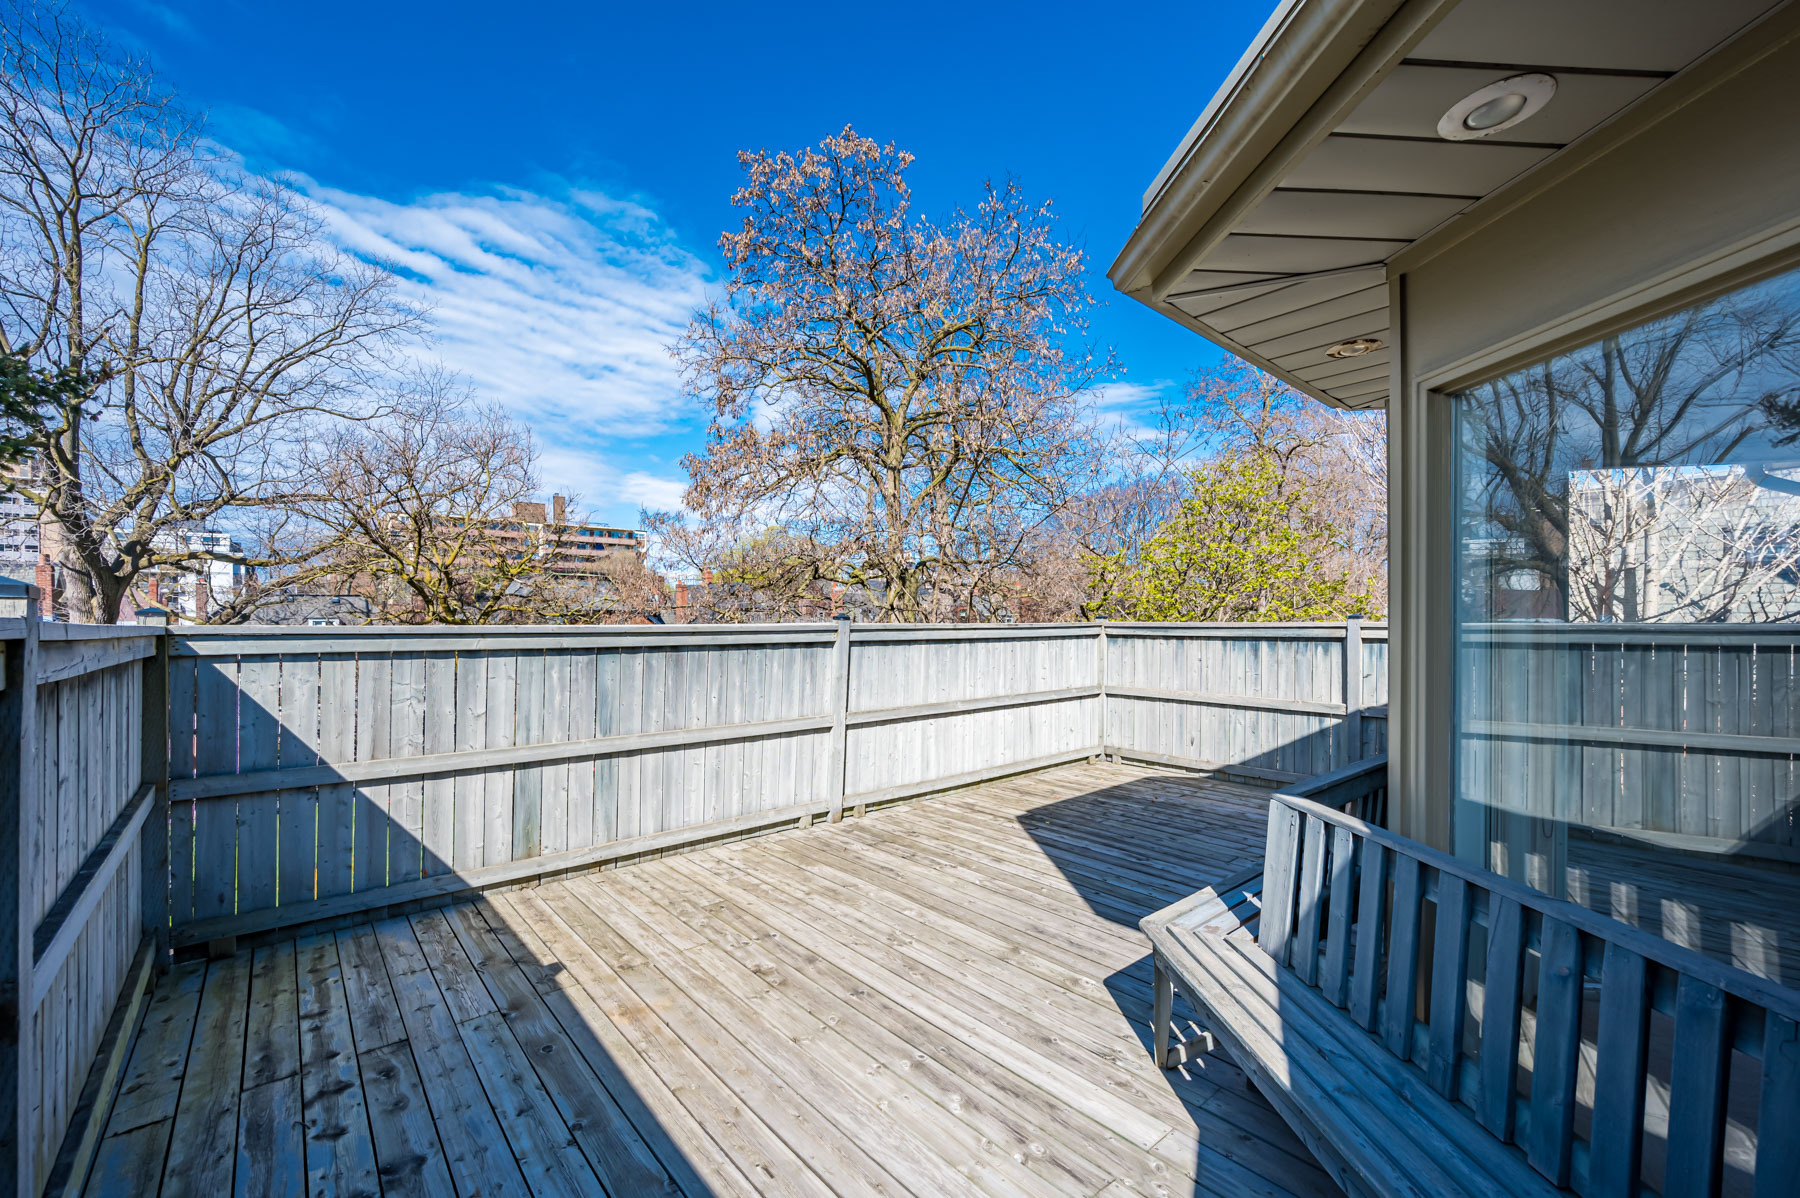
(946, 998)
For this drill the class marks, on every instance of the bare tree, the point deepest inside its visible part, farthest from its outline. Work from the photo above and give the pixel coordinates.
(897, 394)
(420, 513)
(763, 576)
(217, 325)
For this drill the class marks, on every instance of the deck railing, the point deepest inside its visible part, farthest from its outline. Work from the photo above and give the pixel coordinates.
(205, 783)
(322, 772)
(78, 783)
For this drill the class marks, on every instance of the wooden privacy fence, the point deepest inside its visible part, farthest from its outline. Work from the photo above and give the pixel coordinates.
(1684, 736)
(211, 782)
(318, 772)
(1276, 701)
(83, 869)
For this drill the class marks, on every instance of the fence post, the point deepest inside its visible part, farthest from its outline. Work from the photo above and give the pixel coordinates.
(1353, 689)
(1100, 638)
(840, 709)
(153, 753)
(18, 771)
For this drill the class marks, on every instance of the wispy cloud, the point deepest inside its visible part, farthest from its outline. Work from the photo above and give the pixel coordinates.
(1131, 408)
(560, 306)
(168, 18)
(654, 492)
(603, 485)
(256, 136)
(1129, 397)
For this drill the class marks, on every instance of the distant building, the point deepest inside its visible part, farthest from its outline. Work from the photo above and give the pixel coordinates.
(30, 551)
(1684, 544)
(21, 543)
(314, 609)
(205, 585)
(578, 546)
(1653, 544)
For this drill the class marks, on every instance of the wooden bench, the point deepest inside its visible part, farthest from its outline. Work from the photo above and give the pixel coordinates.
(1429, 1028)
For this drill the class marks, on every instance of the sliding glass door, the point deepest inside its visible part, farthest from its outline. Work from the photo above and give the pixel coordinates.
(1628, 593)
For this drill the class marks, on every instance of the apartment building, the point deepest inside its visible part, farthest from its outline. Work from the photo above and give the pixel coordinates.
(20, 542)
(573, 546)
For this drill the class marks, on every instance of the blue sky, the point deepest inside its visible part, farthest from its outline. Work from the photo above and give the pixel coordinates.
(553, 177)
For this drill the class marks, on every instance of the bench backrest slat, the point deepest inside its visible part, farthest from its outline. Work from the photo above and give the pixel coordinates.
(1403, 956)
(1556, 1052)
(1336, 979)
(1778, 1156)
(1449, 986)
(1345, 912)
(1616, 1148)
(1500, 1015)
(1697, 1090)
(1304, 955)
(1280, 859)
(1371, 902)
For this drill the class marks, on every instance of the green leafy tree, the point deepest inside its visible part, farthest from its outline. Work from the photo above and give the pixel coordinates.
(28, 393)
(1239, 546)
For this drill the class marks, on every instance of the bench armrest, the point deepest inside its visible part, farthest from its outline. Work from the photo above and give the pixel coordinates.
(1201, 905)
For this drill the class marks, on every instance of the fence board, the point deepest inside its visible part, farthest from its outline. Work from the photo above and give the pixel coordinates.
(299, 745)
(408, 680)
(370, 810)
(336, 853)
(259, 742)
(437, 795)
(76, 804)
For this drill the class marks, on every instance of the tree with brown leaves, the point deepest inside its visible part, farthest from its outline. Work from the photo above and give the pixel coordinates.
(902, 397)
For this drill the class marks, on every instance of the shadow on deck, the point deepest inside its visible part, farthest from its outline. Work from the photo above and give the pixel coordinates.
(949, 997)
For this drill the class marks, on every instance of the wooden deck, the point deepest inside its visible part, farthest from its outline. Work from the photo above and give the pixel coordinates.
(950, 997)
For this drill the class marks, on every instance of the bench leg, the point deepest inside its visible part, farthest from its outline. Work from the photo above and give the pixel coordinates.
(1165, 1010)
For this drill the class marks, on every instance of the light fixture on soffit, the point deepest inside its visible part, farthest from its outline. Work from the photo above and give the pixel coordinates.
(1356, 348)
(1496, 107)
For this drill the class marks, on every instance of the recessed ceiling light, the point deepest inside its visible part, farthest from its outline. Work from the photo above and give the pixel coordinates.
(1356, 348)
(1499, 105)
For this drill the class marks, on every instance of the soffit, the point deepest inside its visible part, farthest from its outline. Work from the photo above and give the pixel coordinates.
(1302, 268)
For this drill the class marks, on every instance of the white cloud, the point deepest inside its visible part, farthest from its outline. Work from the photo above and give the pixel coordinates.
(1130, 410)
(605, 488)
(561, 308)
(1128, 397)
(655, 492)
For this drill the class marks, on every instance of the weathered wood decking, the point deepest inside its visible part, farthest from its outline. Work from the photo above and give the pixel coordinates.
(951, 997)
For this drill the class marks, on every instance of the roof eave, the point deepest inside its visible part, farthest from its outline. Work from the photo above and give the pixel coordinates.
(1302, 50)
(1243, 353)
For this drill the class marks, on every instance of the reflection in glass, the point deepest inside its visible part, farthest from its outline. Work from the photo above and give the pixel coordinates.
(1629, 626)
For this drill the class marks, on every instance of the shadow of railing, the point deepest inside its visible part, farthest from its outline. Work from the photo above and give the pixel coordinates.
(1129, 850)
(457, 1009)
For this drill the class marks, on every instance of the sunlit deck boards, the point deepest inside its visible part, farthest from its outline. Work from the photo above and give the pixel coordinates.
(945, 998)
